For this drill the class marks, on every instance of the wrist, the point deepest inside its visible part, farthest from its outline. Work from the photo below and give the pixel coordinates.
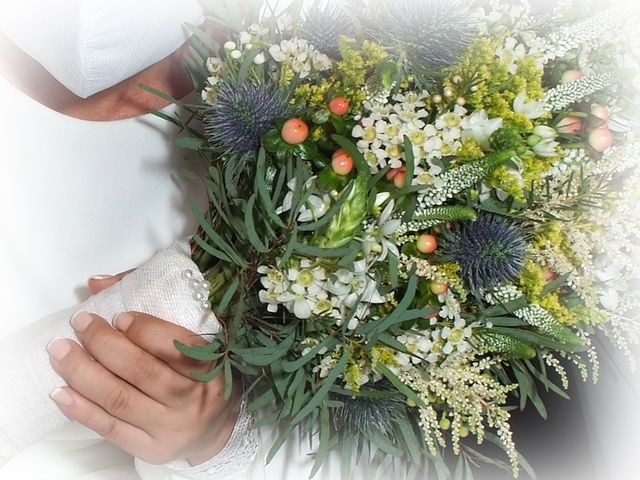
(220, 432)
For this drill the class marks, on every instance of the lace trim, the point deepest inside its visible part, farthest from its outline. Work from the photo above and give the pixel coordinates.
(238, 454)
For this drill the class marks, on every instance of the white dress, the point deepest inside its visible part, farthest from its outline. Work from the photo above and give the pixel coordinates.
(78, 198)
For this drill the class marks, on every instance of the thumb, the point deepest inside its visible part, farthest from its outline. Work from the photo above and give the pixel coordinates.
(97, 283)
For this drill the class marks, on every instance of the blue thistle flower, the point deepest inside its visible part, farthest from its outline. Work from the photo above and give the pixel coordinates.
(490, 250)
(371, 414)
(324, 25)
(427, 34)
(242, 113)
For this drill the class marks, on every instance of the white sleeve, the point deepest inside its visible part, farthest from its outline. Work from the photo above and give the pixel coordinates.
(236, 461)
(159, 287)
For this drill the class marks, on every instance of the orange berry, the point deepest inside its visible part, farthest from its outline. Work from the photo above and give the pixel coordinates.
(571, 76)
(600, 139)
(426, 243)
(399, 179)
(570, 124)
(294, 131)
(600, 112)
(393, 172)
(339, 106)
(341, 162)
(438, 288)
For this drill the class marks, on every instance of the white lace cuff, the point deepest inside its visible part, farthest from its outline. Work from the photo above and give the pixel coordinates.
(235, 460)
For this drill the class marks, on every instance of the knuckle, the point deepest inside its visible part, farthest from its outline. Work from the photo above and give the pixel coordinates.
(144, 372)
(109, 430)
(118, 401)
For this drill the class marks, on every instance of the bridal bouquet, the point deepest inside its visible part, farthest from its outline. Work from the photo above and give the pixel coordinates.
(419, 213)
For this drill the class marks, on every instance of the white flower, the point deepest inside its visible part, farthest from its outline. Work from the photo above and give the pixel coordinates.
(479, 127)
(320, 61)
(376, 237)
(277, 54)
(531, 110)
(451, 308)
(236, 54)
(546, 148)
(258, 30)
(354, 287)
(259, 59)
(327, 364)
(214, 65)
(314, 207)
(230, 45)
(245, 38)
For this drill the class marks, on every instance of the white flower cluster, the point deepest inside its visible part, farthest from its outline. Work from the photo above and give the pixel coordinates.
(558, 45)
(510, 52)
(380, 134)
(215, 67)
(566, 94)
(452, 182)
(248, 41)
(301, 56)
(434, 345)
(307, 290)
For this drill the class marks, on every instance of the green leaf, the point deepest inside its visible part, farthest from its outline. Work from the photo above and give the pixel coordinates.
(191, 143)
(267, 398)
(410, 164)
(205, 353)
(217, 239)
(551, 286)
(392, 259)
(506, 308)
(228, 294)
(410, 439)
(320, 252)
(228, 379)
(158, 93)
(325, 441)
(207, 377)
(252, 235)
(324, 389)
(211, 250)
(207, 40)
(263, 190)
(534, 338)
(379, 326)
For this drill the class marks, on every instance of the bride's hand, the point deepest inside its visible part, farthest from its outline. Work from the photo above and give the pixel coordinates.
(133, 387)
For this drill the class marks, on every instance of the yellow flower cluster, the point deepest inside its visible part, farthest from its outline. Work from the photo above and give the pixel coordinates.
(314, 96)
(491, 86)
(451, 274)
(358, 64)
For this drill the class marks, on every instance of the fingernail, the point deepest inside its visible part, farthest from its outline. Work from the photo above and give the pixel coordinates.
(61, 397)
(58, 348)
(80, 321)
(123, 321)
(101, 277)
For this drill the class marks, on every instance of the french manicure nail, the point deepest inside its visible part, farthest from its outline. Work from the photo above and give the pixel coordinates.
(123, 321)
(58, 348)
(101, 277)
(80, 321)
(62, 397)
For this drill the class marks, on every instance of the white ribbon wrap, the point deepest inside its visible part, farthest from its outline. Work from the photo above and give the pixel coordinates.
(26, 378)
